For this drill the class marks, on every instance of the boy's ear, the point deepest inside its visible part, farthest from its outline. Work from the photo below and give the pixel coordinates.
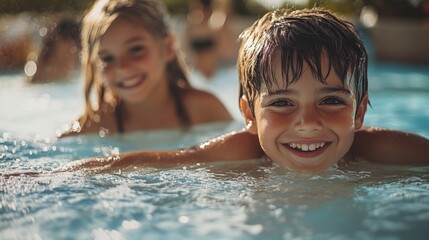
(360, 114)
(248, 116)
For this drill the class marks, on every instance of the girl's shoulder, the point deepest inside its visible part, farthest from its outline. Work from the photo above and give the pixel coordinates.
(203, 106)
(192, 94)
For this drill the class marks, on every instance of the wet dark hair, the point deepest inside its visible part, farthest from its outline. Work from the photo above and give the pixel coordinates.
(300, 36)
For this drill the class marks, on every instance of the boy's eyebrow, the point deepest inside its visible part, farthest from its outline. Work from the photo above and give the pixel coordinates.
(340, 90)
(279, 92)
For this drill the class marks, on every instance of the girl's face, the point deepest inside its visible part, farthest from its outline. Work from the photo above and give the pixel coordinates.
(308, 126)
(133, 61)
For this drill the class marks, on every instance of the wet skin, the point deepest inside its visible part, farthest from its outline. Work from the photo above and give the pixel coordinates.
(308, 126)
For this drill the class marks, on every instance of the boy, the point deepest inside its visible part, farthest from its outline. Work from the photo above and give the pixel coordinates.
(304, 95)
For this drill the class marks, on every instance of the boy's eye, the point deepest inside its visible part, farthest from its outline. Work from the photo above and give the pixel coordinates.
(281, 103)
(332, 101)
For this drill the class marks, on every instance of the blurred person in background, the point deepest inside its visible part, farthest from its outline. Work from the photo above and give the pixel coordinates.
(209, 37)
(57, 57)
(15, 41)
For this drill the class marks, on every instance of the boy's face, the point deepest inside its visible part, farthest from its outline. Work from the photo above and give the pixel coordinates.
(310, 125)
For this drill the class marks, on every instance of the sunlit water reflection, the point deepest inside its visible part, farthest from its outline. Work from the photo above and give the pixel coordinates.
(227, 200)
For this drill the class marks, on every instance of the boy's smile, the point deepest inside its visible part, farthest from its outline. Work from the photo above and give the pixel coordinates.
(309, 125)
(307, 150)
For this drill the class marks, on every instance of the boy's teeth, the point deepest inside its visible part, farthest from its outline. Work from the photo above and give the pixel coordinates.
(306, 147)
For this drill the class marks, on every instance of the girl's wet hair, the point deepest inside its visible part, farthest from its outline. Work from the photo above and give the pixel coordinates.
(300, 37)
(153, 16)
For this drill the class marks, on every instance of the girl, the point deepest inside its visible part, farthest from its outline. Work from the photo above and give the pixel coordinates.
(130, 61)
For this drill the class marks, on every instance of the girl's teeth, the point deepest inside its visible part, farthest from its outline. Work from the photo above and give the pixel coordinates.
(130, 82)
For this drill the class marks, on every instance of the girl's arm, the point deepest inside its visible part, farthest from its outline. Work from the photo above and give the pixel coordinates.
(390, 146)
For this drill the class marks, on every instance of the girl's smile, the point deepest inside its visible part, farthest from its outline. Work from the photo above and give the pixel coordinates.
(133, 61)
(131, 82)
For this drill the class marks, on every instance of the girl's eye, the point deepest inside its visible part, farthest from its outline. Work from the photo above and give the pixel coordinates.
(333, 101)
(281, 103)
(106, 59)
(136, 49)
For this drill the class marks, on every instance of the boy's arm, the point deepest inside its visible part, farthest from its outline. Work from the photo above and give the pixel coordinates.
(390, 146)
(232, 146)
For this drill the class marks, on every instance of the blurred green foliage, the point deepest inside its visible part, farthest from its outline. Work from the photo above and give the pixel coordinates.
(399, 8)
(43, 6)
(253, 7)
(177, 6)
(242, 7)
(417, 9)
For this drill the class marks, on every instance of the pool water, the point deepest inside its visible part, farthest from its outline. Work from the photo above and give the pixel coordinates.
(225, 200)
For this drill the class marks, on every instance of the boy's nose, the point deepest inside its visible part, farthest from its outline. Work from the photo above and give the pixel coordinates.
(308, 120)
